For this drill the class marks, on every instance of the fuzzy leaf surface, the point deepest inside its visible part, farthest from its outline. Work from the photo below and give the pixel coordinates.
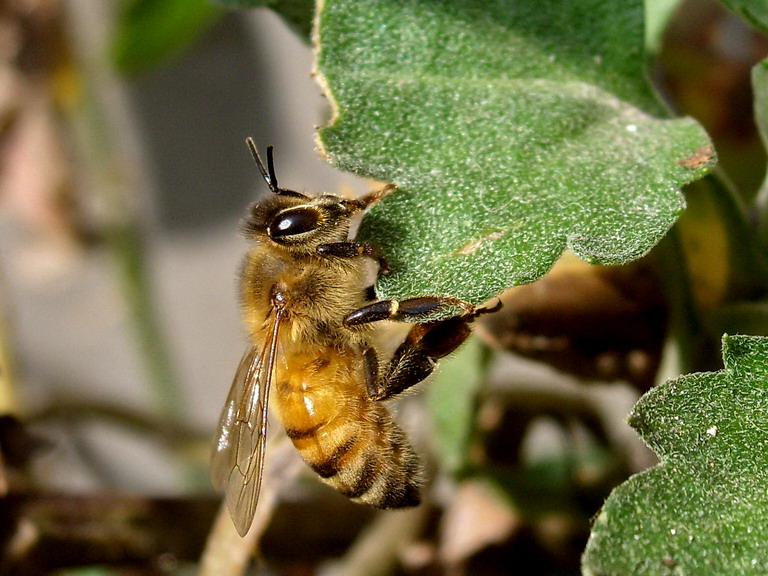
(703, 509)
(512, 129)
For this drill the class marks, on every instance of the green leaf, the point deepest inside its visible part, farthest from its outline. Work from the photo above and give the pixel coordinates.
(753, 11)
(149, 32)
(297, 14)
(512, 129)
(451, 399)
(704, 509)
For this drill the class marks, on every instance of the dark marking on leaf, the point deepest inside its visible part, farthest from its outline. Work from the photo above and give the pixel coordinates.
(703, 155)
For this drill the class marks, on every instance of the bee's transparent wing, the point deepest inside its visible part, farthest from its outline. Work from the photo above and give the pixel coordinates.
(237, 461)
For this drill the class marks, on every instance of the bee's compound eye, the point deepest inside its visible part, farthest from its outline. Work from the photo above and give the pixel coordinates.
(291, 222)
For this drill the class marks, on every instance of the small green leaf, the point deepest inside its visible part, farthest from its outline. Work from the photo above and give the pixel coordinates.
(451, 398)
(753, 11)
(512, 129)
(704, 509)
(760, 89)
(151, 31)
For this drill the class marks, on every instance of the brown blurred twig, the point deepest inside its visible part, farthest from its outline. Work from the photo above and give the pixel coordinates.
(226, 553)
(8, 399)
(376, 552)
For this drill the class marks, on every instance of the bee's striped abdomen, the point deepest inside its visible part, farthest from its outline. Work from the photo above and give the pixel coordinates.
(368, 461)
(349, 440)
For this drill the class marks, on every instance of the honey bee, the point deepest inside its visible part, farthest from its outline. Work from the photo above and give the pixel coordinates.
(311, 313)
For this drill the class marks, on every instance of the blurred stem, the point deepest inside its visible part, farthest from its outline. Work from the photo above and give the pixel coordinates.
(173, 435)
(75, 416)
(710, 258)
(126, 245)
(109, 135)
(226, 553)
(685, 328)
(749, 269)
(376, 551)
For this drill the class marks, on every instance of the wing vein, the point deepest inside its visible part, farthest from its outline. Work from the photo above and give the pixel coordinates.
(237, 463)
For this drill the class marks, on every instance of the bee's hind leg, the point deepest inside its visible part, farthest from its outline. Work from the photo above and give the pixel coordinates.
(427, 342)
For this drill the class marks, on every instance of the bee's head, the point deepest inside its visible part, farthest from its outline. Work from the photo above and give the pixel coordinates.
(295, 220)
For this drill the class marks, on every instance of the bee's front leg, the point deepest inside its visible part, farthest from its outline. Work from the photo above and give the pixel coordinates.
(351, 249)
(416, 358)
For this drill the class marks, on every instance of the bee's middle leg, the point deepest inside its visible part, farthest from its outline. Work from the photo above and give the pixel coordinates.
(416, 358)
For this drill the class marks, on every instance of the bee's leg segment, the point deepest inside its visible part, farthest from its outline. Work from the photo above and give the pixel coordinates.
(410, 309)
(348, 249)
(354, 250)
(371, 363)
(416, 358)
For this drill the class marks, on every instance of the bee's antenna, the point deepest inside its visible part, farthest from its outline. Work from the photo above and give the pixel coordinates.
(269, 175)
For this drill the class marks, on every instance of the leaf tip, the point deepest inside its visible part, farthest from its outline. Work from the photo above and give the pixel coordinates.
(738, 346)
